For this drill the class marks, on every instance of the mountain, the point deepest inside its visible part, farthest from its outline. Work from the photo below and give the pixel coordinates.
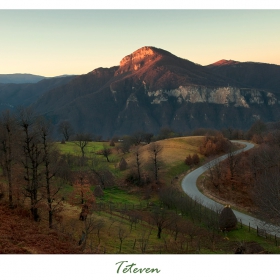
(128, 97)
(19, 78)
(262, 76)
(152, 88)
(223, 62)
(14, 95)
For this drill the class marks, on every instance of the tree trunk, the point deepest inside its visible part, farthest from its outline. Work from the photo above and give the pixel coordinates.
(50, 217)
(34, 212)
(159, 232)
(10, 188)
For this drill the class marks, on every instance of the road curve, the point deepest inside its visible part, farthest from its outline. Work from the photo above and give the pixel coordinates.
(190, 188)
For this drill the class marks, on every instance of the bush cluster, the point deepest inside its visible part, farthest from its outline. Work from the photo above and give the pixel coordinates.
(214, 145)
(192, 160)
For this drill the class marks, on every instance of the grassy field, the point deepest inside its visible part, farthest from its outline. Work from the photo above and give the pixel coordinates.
(244, 234)
(117, 195)
(171, 159)
(112, 230)
(174, 152)
(109, 227)
(116, 225)
(73, 149)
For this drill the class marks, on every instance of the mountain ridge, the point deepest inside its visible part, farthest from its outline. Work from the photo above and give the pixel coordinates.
(152, 88)
(25, 78)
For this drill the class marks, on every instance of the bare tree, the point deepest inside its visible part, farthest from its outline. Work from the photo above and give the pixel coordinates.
(192, 231)
(232, 162)
(40, 162)
(81, 181)
(133, 217)
(8, 146)
(175, 225)
(258, 128)
(254, 161)
(49, 160)
(65, 128)
(137, 137)
(99, 225)
(211, 220)
(138, 164)
(215, 173)
(100, 172)
(161, 218)
(82, 140)
(106, 152)
(147, 137)
(170, 197)
(155, 150)
(144, 240)
(266, 194)
(89, 226)
(32, 158)
(122, 234)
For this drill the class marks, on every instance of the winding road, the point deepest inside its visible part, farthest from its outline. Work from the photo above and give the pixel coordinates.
(190, 188)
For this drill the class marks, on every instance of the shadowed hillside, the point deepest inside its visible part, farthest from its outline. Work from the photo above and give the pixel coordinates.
(20, 235)
(261, 76)
(151, 89)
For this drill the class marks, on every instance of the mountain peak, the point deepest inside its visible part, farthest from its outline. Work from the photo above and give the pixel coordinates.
(137, 56)
(141, 57)
(223, 62)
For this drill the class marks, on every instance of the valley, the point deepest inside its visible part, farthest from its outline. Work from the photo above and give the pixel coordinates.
(127, 215)
(97, 161)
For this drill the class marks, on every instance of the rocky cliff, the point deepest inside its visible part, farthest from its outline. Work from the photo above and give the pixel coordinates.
(152, 88)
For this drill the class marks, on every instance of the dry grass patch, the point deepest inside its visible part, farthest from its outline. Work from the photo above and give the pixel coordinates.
(174, 150)
(20, 235)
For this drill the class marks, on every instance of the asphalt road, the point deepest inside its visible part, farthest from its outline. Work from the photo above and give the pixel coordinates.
(190, 188)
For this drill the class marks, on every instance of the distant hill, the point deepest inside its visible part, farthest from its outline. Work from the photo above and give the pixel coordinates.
(19, 78)
(14, 95)
(25, 78)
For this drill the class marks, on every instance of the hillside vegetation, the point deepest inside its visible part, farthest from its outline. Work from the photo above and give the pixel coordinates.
(123, 216)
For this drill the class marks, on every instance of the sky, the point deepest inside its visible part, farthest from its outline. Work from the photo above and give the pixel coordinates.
(52, 42)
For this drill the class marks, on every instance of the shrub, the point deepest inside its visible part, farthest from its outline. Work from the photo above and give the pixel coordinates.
(192, 160)
(188, 160)
(195, 159)
(132, 178)
(213, 145)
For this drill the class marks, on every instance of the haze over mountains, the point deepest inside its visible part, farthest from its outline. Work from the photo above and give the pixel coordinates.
(24, 78)
(13, 95)
(152, 89)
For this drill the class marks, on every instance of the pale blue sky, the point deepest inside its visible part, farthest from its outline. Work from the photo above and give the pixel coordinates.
(56, 42)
